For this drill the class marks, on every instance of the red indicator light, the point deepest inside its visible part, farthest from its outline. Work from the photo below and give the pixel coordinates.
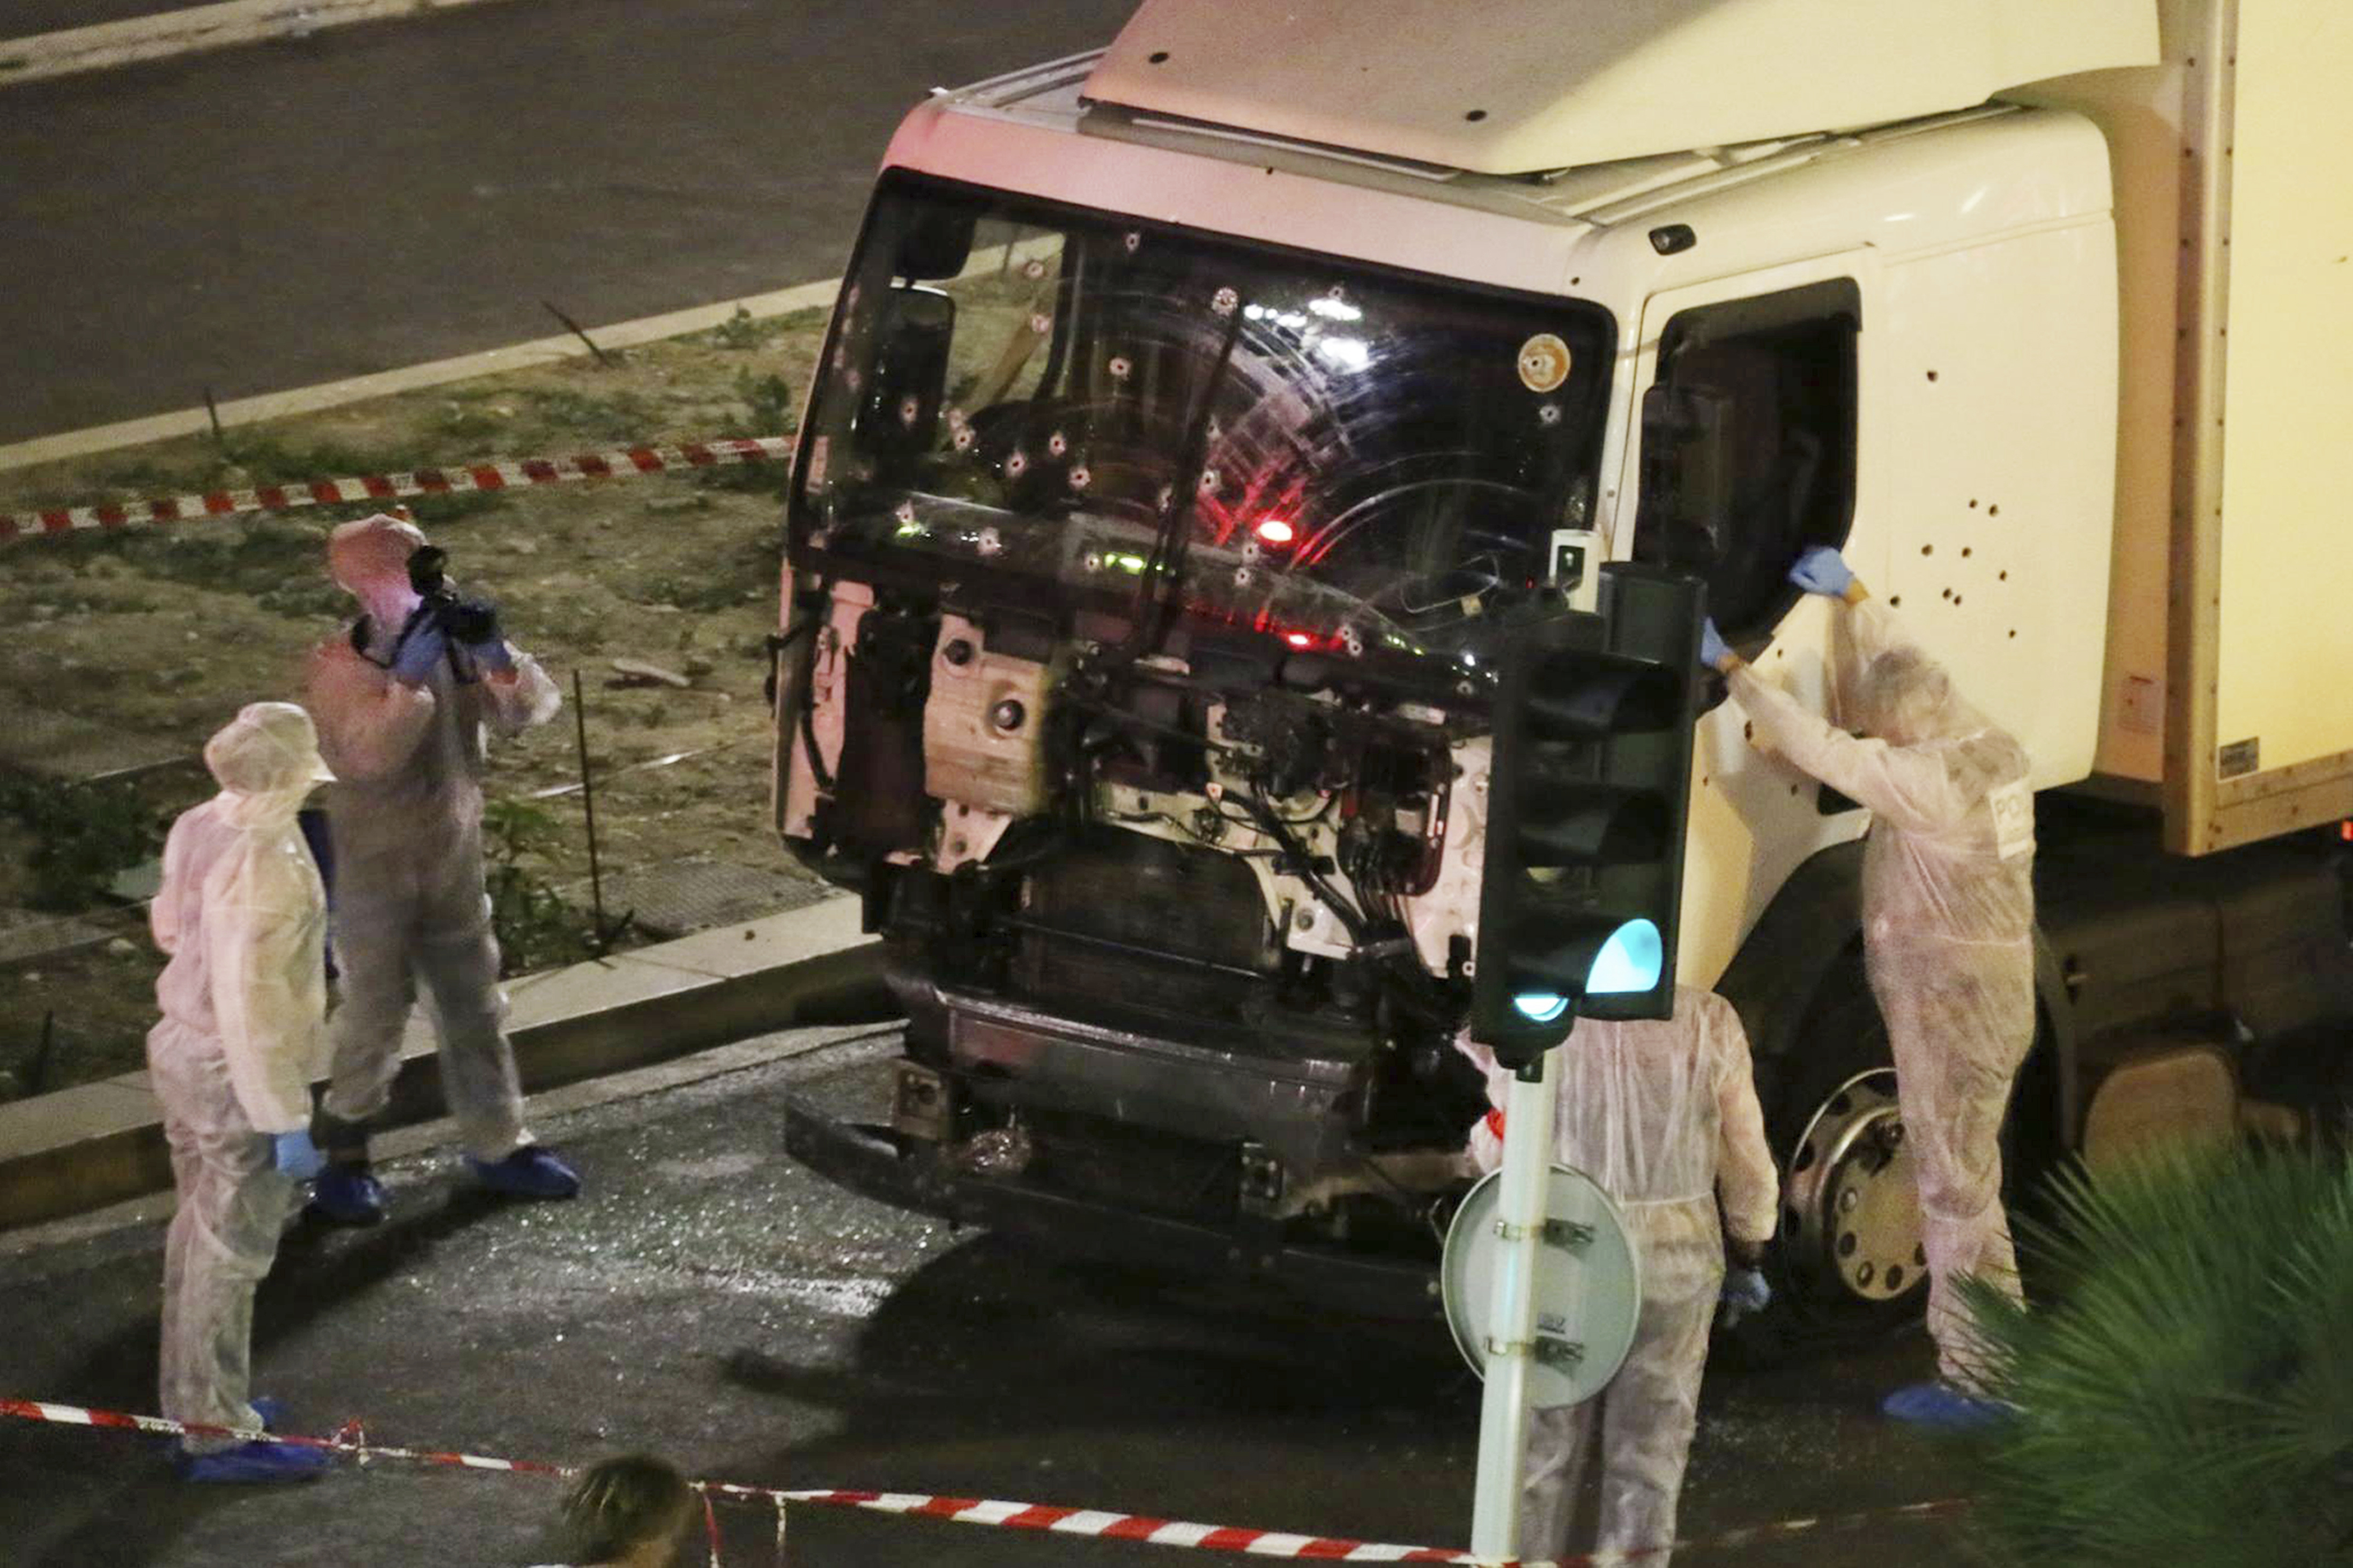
(1300, 640)
(1275, 531)
(2345, 831)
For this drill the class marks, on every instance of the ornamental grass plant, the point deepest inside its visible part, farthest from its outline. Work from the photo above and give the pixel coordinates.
(2184, 1381)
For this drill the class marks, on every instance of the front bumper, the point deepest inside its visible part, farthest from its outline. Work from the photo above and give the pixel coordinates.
(910, 1174)
(1296, 1085)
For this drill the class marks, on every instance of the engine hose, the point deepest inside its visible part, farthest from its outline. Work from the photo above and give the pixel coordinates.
(817, 770)
(1272, 823)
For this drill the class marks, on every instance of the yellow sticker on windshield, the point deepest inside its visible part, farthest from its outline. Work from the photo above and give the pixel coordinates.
(1543, 363)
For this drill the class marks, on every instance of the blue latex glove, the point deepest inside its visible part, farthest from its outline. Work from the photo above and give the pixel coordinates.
(425, 646)
(1821, 570)
(1745, 1292)
(295, 1155)
(491, 655)
(1711, 644)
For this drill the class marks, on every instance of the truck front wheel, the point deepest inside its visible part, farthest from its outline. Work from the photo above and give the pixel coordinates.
(1851, 1206)
(1848, 1256)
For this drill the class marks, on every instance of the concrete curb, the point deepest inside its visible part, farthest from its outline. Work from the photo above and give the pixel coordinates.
(182, 32)
(99, 1143)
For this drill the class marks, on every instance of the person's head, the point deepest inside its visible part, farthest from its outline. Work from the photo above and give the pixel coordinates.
(634, 1511)
(1906, 698)
(369, 560)
(269, 752)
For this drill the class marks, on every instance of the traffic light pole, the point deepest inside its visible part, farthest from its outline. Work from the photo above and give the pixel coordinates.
(1511, 1335)
(1589, 778)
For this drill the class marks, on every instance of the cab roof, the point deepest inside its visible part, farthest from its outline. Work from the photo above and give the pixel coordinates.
(1520, 87)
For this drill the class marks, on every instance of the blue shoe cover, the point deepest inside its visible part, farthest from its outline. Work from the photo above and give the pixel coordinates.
(531, 1171)
(347, 1194)
(270, 1411)
(1942, 1408)
(254, 1464)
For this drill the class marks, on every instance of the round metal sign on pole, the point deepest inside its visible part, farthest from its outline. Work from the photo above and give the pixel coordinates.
(1588, 1287)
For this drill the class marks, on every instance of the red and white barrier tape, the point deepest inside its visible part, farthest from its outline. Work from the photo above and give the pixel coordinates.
(351, 1439)
(1096, 1523)
(504, 474)
(1101, 1524)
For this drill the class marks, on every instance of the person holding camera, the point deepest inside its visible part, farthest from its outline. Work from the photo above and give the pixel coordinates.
(403, 702)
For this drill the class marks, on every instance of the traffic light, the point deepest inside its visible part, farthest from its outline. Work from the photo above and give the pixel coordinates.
(1588, 783)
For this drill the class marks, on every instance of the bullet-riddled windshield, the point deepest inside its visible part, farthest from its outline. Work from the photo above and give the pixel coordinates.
(1308, 445)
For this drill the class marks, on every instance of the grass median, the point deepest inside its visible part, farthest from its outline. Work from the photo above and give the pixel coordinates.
(132, 646)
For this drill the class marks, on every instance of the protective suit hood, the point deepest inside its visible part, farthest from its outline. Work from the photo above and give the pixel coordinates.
(266, 760)
(369, 561)
(1906, 700)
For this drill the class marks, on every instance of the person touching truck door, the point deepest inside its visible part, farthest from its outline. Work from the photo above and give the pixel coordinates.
(1948, 917)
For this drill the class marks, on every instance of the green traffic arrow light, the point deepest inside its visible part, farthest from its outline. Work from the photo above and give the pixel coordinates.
(1629, 960)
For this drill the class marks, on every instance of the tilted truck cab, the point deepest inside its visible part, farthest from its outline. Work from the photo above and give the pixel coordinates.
(1193, 411)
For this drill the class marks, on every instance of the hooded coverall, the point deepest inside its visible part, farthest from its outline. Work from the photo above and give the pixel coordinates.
(406, 819)
(1664, 1115)
(243, 918)
(1949, 921)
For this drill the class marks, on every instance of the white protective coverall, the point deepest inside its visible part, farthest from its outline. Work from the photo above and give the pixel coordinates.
(1664, 1115)
(406, 821)
(1949, 921)
(243, 997)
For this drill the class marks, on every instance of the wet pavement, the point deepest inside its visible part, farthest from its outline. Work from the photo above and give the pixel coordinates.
(709, 1301)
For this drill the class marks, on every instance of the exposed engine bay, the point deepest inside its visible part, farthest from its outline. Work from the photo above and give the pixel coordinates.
(1211, 860)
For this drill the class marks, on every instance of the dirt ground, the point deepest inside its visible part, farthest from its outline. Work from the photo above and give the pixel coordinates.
(151, 638)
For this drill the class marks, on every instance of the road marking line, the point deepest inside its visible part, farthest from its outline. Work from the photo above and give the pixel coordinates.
(410, 378)
(163, 34)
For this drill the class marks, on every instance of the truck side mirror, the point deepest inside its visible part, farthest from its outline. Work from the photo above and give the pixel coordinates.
(911, 371)
(936, 243)
(1687, 477)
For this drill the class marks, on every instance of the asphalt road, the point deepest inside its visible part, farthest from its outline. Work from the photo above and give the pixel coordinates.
(25, 18)
(258, 218)
(709, 1301)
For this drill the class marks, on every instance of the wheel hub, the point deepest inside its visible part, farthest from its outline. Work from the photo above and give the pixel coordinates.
(1853, 1201)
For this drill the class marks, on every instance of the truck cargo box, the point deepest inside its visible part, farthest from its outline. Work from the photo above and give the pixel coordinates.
(2228, 627)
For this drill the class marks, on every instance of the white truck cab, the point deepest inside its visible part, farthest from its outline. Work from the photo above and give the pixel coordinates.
(1192, 410)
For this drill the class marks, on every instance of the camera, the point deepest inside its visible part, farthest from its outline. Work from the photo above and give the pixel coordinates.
(462, 620)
